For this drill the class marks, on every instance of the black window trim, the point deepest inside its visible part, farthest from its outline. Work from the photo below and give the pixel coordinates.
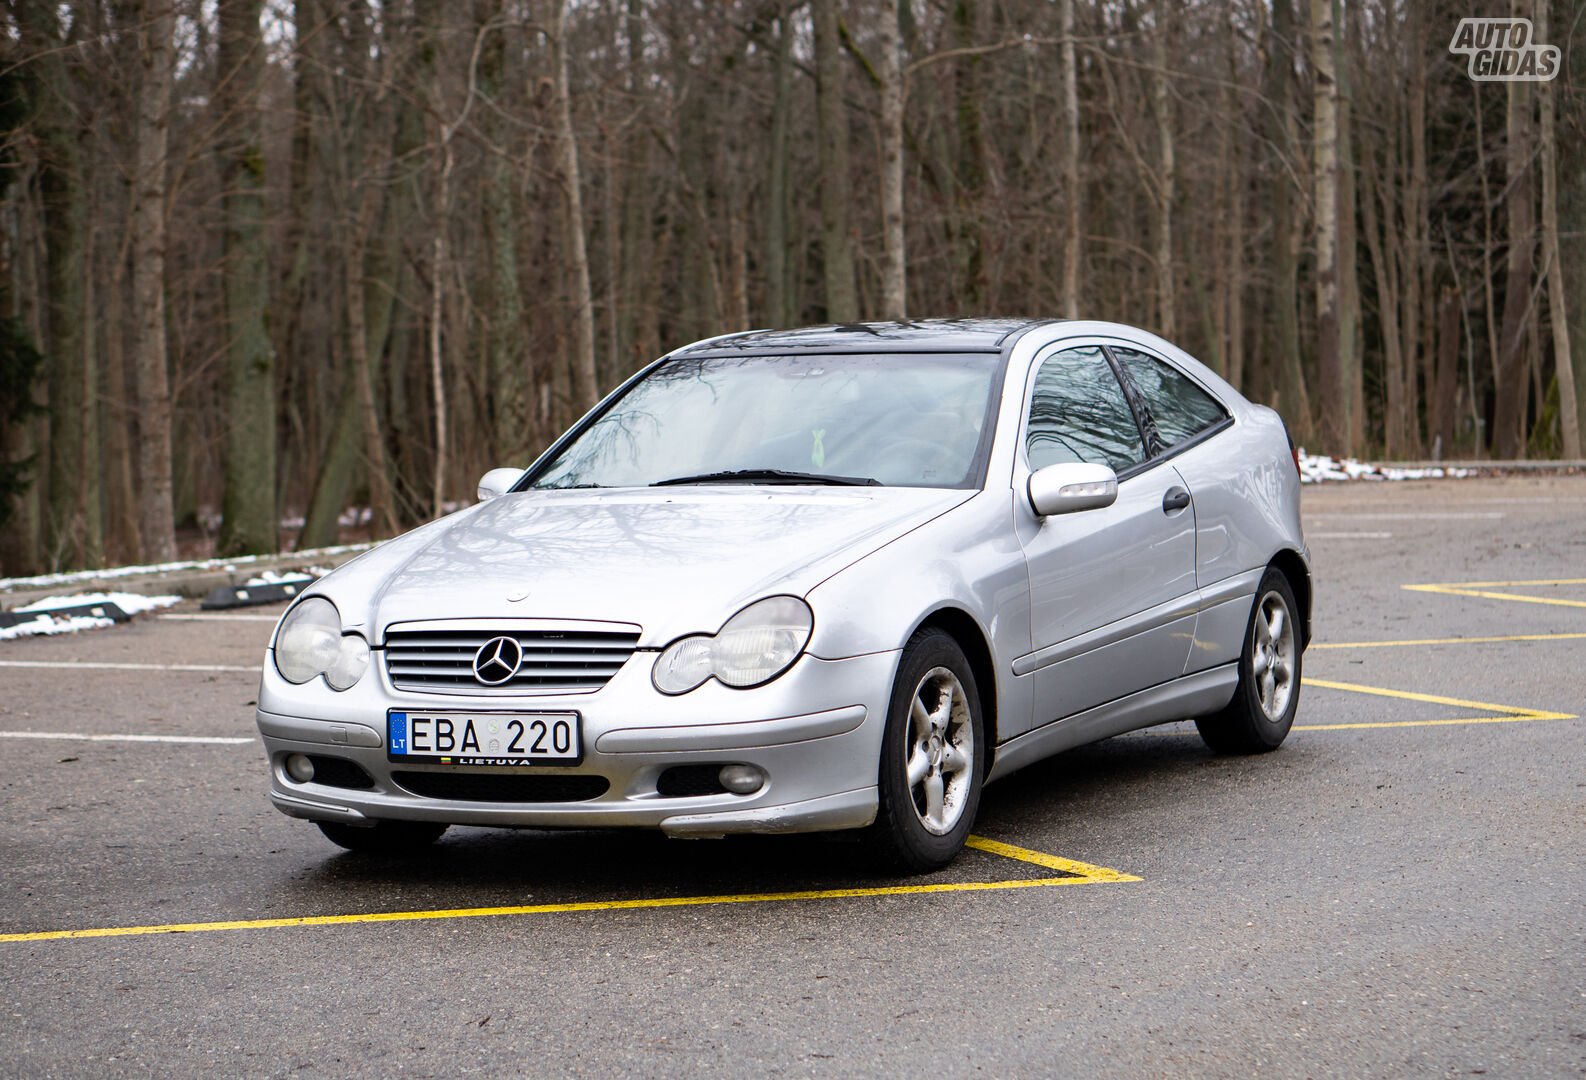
(1148, 428)
(1055, 348)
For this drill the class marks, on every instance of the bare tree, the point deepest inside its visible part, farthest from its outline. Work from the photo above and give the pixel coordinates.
(1073, 194)
(1509, 388)
(1569, 411)
(842, 301)
(156, 514)
(72, 517)
(1334, 392)
(248, 508)
(1166, 169)
(894, 268)
(585, 388)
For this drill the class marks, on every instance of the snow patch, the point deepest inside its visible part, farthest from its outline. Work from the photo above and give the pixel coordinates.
(1318, 468)
(293, 577)
(46, 625)
(131, 603)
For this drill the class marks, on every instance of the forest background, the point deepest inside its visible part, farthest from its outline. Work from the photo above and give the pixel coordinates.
(263, 262)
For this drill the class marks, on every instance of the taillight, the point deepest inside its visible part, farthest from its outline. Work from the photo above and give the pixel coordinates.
(1294, 451)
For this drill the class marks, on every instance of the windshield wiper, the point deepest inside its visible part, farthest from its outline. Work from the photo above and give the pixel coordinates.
(775, 476)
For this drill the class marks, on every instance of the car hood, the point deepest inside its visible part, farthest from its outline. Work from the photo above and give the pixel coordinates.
(674, 561)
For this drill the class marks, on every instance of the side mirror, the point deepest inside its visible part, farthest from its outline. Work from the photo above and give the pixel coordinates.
(497, 482)
(1072, 485)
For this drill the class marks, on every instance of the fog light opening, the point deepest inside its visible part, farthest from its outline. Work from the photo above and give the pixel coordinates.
(299, 768)
(741, 779)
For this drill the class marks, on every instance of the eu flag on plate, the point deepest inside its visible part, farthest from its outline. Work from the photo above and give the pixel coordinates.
(397, 725)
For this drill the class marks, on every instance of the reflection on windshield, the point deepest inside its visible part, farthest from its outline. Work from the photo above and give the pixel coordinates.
(903, 420)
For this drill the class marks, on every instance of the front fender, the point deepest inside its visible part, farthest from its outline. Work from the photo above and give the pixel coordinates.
(968, 560)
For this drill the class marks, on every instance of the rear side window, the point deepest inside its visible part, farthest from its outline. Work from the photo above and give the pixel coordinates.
(1181, 409)
(1078, 413)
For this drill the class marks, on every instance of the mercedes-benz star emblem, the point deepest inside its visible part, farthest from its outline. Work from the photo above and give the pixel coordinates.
(497, 660)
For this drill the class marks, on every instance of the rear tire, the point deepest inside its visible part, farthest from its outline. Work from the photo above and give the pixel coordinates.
(385, 837)
(931, 757)
(1262, 710)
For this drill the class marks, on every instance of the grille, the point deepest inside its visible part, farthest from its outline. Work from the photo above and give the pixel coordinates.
(442, 661)
(500, 787)
(683, 781)
(339, 772)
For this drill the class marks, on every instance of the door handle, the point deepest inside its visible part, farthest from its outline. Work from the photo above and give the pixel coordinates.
(1176, 499)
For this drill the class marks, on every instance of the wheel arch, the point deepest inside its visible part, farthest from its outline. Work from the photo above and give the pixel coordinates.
(962, 628)
(1289, 563)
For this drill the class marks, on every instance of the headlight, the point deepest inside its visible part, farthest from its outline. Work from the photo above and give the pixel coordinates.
(755, 646)
(311, 644)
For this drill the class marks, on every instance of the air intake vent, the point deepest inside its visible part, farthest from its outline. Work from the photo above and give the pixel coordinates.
(517, 787)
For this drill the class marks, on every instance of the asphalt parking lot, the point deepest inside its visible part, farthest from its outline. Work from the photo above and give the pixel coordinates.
(1400, 890)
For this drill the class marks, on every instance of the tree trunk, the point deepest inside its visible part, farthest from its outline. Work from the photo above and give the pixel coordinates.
(969, 107)
(249, 521)
(1563, 361)
(894, 270)
(1441, 414)
(584, 384)
(1418, 287)
(1073, 194)
(1349, 333)
(382, 512)
(122, 546)
(842, 301)
(19, 506)
(72, 520)
(1292, 398)
(1572, 215)
(1388, 294)
(1511, 392)
(779, 310)
(1167, 170)
(507, 396)
(1334, 397)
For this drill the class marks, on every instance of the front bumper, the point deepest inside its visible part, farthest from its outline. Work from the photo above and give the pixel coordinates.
(815, 732)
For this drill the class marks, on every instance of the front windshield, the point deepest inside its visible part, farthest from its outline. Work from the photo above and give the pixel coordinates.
(902, 420)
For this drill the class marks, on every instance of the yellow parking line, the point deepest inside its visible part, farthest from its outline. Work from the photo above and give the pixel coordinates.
(1501, 584)
(1482, 590)
(1442, 641)
(1081, 874)
(1436, 723)
(1081, 870)
(1435, 699)
(1510, 714)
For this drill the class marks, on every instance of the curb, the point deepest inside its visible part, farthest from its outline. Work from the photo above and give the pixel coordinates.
(1491, 466)
(190, 581)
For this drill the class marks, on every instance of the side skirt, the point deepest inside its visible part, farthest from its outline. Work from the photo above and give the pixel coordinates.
(1193, 695)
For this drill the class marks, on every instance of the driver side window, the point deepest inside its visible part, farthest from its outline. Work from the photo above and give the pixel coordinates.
(1078, 413)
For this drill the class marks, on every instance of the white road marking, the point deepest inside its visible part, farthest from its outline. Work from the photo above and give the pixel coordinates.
(1487, 514)
(220, 618)
(108, 666)
(221, 740)
(1348, 535)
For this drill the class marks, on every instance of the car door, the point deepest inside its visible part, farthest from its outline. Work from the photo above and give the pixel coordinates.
(1193, 428)
(1112, 590)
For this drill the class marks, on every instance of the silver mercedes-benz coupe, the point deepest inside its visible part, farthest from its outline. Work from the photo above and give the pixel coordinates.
(837, 578)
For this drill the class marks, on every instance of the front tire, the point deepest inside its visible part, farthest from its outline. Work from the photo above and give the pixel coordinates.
(1261, 713)
(931, 757)
(385, 837)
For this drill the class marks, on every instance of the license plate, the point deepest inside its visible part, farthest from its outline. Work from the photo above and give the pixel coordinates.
(482, 738)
